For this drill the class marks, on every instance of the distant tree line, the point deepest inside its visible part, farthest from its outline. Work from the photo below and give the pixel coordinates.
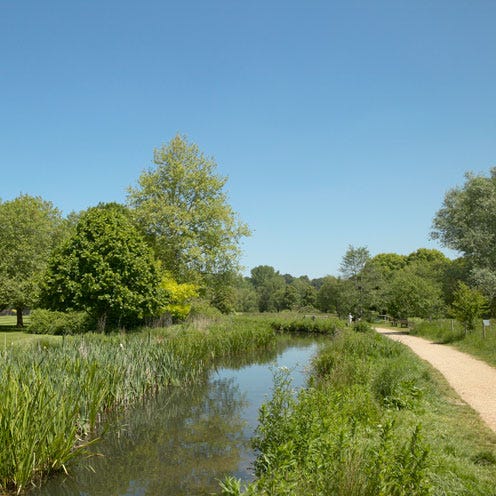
(424, 283)
(419, 284)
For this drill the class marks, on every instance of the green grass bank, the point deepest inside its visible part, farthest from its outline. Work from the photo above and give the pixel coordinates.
(374, 421)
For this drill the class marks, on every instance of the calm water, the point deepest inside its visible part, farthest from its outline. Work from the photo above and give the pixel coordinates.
(183, 442)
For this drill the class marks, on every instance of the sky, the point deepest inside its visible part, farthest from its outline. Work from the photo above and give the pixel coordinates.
(337, 123)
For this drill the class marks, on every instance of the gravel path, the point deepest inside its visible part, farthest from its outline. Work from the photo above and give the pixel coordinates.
(472, 379)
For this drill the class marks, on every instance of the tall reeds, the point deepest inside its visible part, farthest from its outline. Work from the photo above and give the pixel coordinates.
(53, 396)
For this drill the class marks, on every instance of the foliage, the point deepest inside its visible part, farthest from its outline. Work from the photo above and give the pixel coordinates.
(59, 323)
(31, 227)
(468, 305)
(323, 325)
(327, 299)
(179, 297)
(355, 431)
(269, 284)
(360, 285)
(354, 261)
(182, 208)
(410, 295)
(106, 269)
(466, 222)
(246, 298)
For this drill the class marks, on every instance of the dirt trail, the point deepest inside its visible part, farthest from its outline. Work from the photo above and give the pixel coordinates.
(472, 379)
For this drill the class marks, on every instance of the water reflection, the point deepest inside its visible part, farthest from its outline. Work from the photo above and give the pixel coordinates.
(178, 443)
(182, 442)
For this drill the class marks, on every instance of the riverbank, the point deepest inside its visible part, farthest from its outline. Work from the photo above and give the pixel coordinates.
(374, 420)
(56, 391)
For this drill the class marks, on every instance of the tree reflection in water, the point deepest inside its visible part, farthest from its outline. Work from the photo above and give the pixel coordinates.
(183, 441)
(179, 443)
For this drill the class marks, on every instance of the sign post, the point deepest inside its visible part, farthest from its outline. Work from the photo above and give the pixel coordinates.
(485, 323)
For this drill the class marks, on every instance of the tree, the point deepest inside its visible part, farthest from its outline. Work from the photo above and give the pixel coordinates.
(179, 296)
(353, 262)
(467, 220)
(246, 296)
(270, 286)
(468, 305)
(30, 228)
(106, 269)
(387, 264)
(410, 295)
(359, 281)
(328, 295)
(181, 207)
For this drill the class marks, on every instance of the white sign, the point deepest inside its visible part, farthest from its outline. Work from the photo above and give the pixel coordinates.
(486, 323)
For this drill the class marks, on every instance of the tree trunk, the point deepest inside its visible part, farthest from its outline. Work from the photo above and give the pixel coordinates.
(20, 322)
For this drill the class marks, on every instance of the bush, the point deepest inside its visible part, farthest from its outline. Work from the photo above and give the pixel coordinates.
(362, 326)
(308, 324)
(59, 323)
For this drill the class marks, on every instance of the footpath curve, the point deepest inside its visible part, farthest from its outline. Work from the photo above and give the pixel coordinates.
(472, 379)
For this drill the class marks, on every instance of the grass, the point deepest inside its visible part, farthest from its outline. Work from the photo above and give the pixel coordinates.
(375, 420)
(10, 321)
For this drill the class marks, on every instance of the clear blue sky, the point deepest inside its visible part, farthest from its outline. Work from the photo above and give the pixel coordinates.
(337, 122)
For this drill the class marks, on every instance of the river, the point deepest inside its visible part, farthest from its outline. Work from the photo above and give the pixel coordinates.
(183, 441)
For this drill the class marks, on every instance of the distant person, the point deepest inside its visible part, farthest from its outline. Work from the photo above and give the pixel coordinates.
(350, 319)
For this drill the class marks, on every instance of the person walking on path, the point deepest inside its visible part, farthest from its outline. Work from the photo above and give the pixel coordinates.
(473, 379)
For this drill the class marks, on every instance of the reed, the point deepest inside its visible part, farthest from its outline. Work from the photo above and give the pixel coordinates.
(54, 394)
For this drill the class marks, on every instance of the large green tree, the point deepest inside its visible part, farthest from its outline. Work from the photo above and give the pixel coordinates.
(30, 227)
(106, 269)
(182, 207)
(466, 222)
(270, 286)
(359, 285)
(467, 219)
(411, 295)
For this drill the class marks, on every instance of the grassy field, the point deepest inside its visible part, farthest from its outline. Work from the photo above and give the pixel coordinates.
(10, 334)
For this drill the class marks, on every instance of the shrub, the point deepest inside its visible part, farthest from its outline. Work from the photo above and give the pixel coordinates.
(312, 325)
(59, 323)
(362, 326)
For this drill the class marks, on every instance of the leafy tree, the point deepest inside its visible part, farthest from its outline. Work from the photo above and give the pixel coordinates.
(105, 268)
(360, 282)
(220, 291)
(353, 263)
(387, 263)
(327, 299)
(467, 220)
(469, 304)
(246, 296)
(307, 294)
(267, 282)
(30, 228)
(410, 295)
(182, 208)
(179, 296)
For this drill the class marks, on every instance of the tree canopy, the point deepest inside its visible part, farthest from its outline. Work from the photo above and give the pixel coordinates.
(467, 219)
(182, 208)
(105, 268)
(30, 228)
